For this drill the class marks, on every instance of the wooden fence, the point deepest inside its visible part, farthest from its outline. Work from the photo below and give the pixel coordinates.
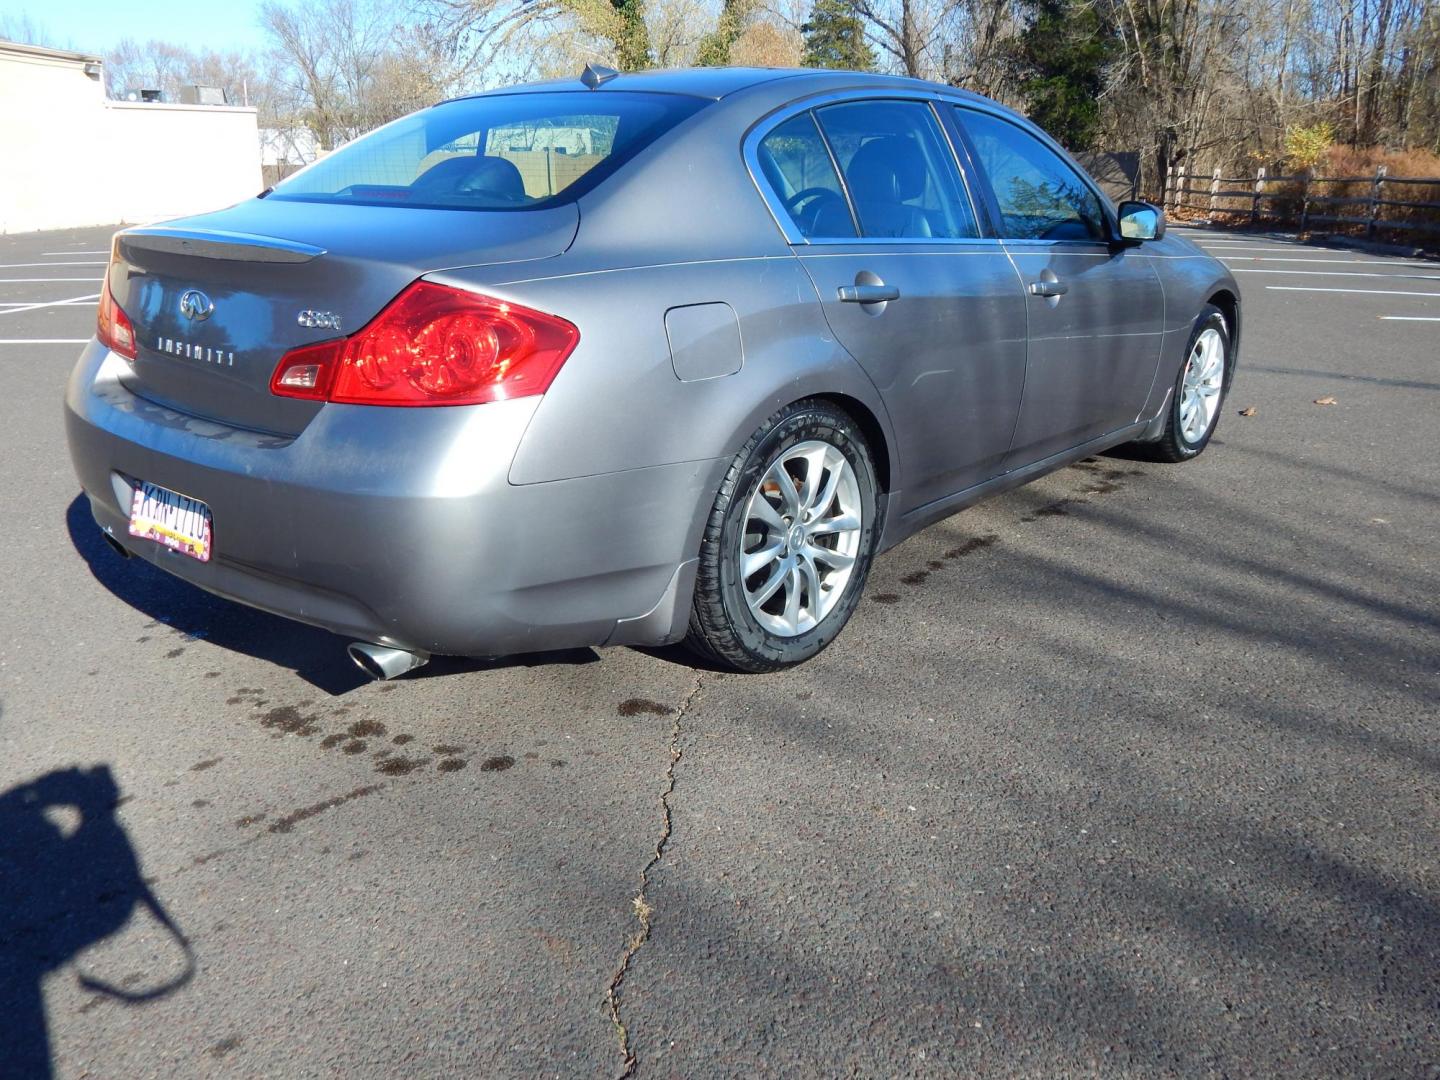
(1313, 200)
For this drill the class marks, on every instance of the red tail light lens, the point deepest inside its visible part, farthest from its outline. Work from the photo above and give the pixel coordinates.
(433, 345)
(112, 326)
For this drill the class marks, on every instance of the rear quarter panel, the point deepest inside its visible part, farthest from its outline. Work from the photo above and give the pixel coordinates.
(617, 404)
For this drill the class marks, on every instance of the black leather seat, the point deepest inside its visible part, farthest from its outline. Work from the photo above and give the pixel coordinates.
(460, 177)
(883, 176)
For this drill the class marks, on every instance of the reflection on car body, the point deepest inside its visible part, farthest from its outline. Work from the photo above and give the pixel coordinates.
(633, 359)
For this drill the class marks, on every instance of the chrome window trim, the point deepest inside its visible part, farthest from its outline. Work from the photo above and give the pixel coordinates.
(750, 151)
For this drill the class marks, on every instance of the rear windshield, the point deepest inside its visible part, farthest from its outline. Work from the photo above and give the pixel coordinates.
(508, 152)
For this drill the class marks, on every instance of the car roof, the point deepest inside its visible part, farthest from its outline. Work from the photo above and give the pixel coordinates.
(719, 82)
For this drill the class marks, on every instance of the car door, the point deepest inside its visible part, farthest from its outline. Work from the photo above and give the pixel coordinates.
(1096, 308)
(871, 197)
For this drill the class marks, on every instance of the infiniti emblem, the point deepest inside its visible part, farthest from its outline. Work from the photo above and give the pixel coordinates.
(196, 306)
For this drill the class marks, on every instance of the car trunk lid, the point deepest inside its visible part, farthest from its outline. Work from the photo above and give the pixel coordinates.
(216, 300)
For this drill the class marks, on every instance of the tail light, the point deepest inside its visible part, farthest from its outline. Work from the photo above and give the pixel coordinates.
(433, 345)
(112, 326)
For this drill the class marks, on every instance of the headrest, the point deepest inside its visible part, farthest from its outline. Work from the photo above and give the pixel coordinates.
(888, 169)
(481, 175)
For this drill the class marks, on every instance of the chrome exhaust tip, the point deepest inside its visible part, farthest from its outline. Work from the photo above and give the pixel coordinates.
(115, 545)
(381, 662)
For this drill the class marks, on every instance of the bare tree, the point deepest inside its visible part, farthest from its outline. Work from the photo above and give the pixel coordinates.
(342, 67)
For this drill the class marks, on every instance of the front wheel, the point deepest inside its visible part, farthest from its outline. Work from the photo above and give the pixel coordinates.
(1194, 408)
(788, 542)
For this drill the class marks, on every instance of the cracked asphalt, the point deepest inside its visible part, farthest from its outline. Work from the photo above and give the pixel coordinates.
(1131, 772)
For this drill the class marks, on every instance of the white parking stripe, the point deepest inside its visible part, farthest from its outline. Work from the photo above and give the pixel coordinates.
(51, 303)
(32, 280)
(75, 253)
(1227, 257)
(1249, 247)
(1366, 292)
(1411, 318)
(1336, 273)
(17, 266)
(32, 303)
(44, 341)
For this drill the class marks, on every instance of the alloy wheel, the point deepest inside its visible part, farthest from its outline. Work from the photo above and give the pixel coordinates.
(801, 538)
(1201, 386)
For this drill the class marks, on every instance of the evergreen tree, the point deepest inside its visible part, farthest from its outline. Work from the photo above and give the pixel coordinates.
(1059, 61)
(835, 37)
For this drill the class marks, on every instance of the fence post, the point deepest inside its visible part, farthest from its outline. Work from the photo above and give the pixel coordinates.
(1167, 188)
(1375, 189)
(1255, 199)
(1214, 190)
(1304, 200)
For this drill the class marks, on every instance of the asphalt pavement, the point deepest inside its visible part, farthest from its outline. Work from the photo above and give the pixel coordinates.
(1131, 772)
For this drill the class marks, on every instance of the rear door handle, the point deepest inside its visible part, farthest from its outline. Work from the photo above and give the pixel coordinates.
(1048, 288)
(867, 294)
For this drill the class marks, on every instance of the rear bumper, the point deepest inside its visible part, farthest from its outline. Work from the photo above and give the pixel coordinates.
(398, 525)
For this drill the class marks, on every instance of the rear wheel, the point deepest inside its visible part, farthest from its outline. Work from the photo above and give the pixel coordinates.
(1199, 394)
(788, 542)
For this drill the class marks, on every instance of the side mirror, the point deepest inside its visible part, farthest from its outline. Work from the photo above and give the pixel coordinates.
(1141, 221)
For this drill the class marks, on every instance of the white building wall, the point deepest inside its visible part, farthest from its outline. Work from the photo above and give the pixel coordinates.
(69, 157)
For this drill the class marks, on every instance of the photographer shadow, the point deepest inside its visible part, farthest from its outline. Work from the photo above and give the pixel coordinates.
(69, 878)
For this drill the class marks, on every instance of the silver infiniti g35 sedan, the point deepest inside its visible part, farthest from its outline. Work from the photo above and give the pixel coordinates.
(631, 359)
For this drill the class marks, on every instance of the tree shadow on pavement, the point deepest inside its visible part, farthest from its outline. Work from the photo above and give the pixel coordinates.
(69, 878)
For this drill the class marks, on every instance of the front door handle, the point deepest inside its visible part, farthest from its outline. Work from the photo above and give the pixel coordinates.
(867, 294)
(1048, 288)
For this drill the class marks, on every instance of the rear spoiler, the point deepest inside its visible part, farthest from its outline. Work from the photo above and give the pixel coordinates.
(218, 244)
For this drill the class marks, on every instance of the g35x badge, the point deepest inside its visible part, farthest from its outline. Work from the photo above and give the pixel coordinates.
(325, 320)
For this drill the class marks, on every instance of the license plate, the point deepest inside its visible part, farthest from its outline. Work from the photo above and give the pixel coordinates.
(167, 517)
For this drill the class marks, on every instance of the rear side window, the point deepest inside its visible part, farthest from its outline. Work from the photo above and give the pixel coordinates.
(798, 167)
(1040, 196)
(899, 169)
(508, 152)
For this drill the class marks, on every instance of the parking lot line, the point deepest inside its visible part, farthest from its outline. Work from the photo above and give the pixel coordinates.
(17, 266)
(1248, 247)
(1410, 318)
(32, 280)
(1336, 273)
(75, 253)
(44, 341)
(1226, 257)
(1365, 292)
(51, 303)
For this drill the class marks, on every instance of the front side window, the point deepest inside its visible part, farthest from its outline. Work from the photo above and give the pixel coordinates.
(507, 152)
(900, 171)
(798, 169)
(1040, 196)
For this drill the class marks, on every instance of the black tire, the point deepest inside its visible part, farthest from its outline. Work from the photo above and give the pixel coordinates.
(1172, 446)
(723, 630)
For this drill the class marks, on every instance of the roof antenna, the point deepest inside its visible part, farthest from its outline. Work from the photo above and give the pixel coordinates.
(594, 76)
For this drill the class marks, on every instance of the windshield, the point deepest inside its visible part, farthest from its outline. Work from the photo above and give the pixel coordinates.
(508, 152)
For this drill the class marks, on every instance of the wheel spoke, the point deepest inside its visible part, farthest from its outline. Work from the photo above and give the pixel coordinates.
(792, 598)
(811, 575)
(840, 523)
(772, 583)
(814, 469)
(755, 561)
(821, 502)
(781, 476)
(837, 559)
(761, 510)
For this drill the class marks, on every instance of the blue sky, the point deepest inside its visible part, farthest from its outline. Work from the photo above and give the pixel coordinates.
(95, 25)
